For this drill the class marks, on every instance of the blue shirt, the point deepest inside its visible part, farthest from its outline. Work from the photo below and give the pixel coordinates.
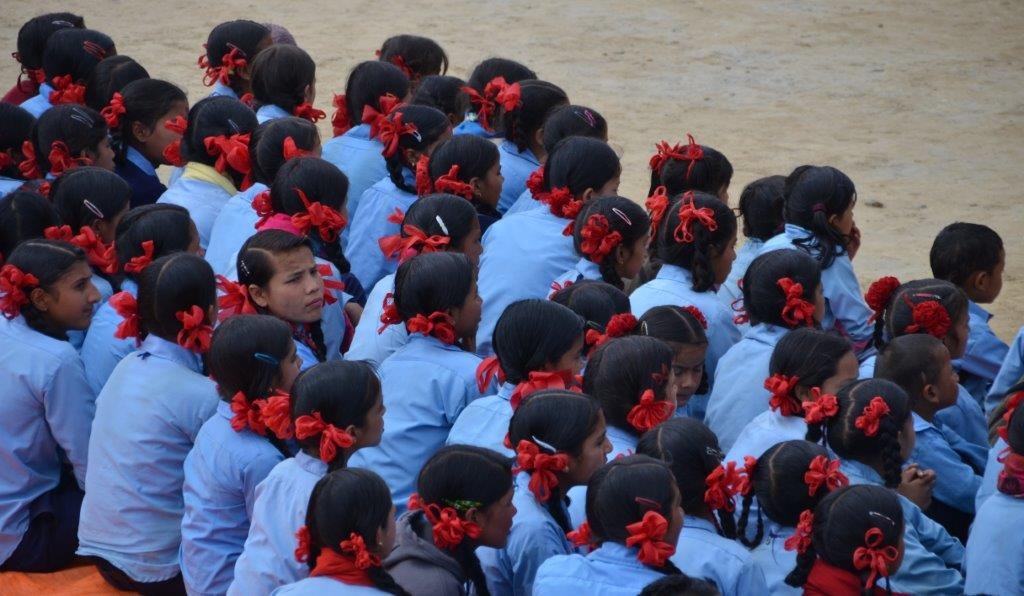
(222, 89)
(995, 548)
(730, 291)
(611, 570)
(40, 103)
(270, 112)
(774, 560)
(147, 418)
(101, 351)
(426, 384)
(584, 269)
(525, 202)
(470, 126)
(9, 185)
(992, 468)
(738, 394)
(1010, 372)
(516, 167)
(370, 224)
(202, 199)
(484, 422)
(235, 224)
(360, 158)
(535, 538)
(221, 474)
(141, 176)
(936, 448)
(984, 354)
(702, 553)
(268, 558)
(47, 411)
(325, 586)
(966, 419)
(369, 345)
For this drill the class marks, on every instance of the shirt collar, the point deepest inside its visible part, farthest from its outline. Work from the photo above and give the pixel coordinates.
(862, 471)
(692, 522)
(589, 269)
(45, 90)
(222, 89)
(139, 160)
(505, 391)
(311, 464)
(765, 333)
(976, 310)
(920, 424)
(224, 409)
(526, 154)
(161, 348)
(361, 131)
(204, 173)
(616, 554)
(130, 286)
(271, 111)
(676, 273)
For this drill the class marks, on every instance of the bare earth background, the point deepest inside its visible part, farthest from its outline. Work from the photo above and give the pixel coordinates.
(919, 101)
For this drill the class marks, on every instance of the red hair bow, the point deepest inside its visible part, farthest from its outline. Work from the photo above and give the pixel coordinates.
(879, 293)
(391, 130)
(648, 534)
(871, 557)
(195, 332)
(275, 412)
(931, 317)
(340, 121)
(326, 275)
(114, 110)
(649, 412)
(58, 233)
(451, 183)
(331, 437)
(230, 151)
(541, 466)
(399, 62)
(6, 160)
(230, 63)
(485, 103)
(127, 307)
(100, 255)
(178, 125)
(376, 117)
(489, 369)
(414, 242)
(290, 150)
(389, 314)
(620, 325)
(246, 415)
(13, 283)
(663, 153)
(800, 541)
(597, 238)
(693, 153)
(581, 536)
(690, 214)
(821, 407)
(263, 206)
(539, 380)
(61, 160)
(65, 91)
(437, 324)
(306, 111)
(423, 184)
(302, 550)
(328, 221)
(697, 314)
(723, 483)
(507, 96)
(535, 181)
(235, 300)
(172, 152)
(783, 390)
(657, 206)
(873, 413)
(796, 310)
(823, 472)
(449, 529)
(562, 203)
(356, 546)
(135, 265)
(1012, 403)
(29, 167)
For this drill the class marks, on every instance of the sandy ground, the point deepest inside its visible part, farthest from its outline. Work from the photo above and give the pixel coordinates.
(919, 101)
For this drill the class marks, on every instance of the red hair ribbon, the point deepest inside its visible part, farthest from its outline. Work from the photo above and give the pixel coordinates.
(44, 189)
(665, 152)
(485, 103)
(66, 91)
(290, 150)
(783, 390)
(1012, 403)
(114, 110)
(331, 437)
(535, 181)
(6, 160)
(581, 536)
(451, 183)
(1011, 478)
(306, 111)
(449, 529)
(796, 310)
(29, 166)
(328, 221)
(648, 535)
(58, 233)
(399, 62)
(391, 130)
(657, 206)
(389, 314)
(508, 96)
(356, 546)
(302, 550)
(246, 415)
(127, 307)
(821, 407)
(61, 160)
(649, 412)
(697, 314)
(275, 412)
(172, 152)
(823, 472)
(693, 153)
(230, 63)
(411, 242)
(326, 273)
(620, 325)
(36, 75)
(541, 466)
(248, 99)
(100, 255)
(135, 265)
(723, 483)
(872, 415)
(13, 283)
(195, 332)
(263, 206)
(230, 151)
(597, 239)
(690, 214)
(539, 380)
(800, 541)
(423, 184)
(437, 324)
(558, 287)
(489, 370)
(562, 203)
(235, 300)
(931, 317)
(377, 117)
(178, 125)
(871, 557)
(879, 293)
(340, 121)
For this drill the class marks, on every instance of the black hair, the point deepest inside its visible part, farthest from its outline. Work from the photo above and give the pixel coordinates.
(266, 145)
(33, 35)
(621, 370)
(342, 391)
(87, 194)
(710, 174)
(561, 419)
(760, 207)
(1015, 431)
(211, 117)
(899, 310)
(368, 82)
(810, 355)
(475, 157)
(624, 217)
(812, 195)
(422, 56)
(169, 227)
(573, 121)
(79, 127)
(842, 435)
(245, 35)
(675, 327)
(911, 361)
(432, 282)
(280, 76)
(532, 333)
(454, 475)
(442, 92)
(171, 284)
(696, 256)
(841, 521)
(75, 52)
(488, 69)
(145, 101)
(48, 261)
(430, 125)
(763, 298)
(692, 452)
(579, 163)
(962, 249)
(110, 76)
(622, 491)
(456, 214)
(997, 415)
(680, 585)
(595, 301)
(17, 128)
(536, 100)
(322, 182)
(347, 501)
(23, 216)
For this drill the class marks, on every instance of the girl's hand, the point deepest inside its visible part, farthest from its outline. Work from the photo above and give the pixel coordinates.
(853, 241)
(916, 485)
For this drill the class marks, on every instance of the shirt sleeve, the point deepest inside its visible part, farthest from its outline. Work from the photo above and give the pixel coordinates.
(922, 572)
(985, 351)
(70, 406)
(956, 483)
(1009, 373)
(528, 550)
(932, 537)
(844, 298)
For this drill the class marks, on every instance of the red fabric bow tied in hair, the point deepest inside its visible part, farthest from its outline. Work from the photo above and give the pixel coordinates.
(29, 166)
(697, 314)
(541, 466)
(1012, 403)
(306, 111)
(66, 91)
(230, 151)
(823, 472)
(689, 214)
(873, 413)
(1011, 478)
(424, 186)
(871, 557)
(377, 117)
(796, 310)
(356, 546)
(61, 159)
(100, 255)
(657, 206)
(487, 372)
(619, 325)
(879, 293)
(114, 110)
(561, 202)
(331, 437)
(540, 380)
(389, 314)
(930, 317)
(581, 536)
(665, 152)
(275, 412)
(648, 535)
(302, 550)
(484, 103)
(58, 233)
(263, 206)
(451, 183)
(399, 62)
(231, 63)
(235, 299)
(330, 285)
(172, 152)
(693, 153)
(195, 332)
(649, 412)
(391, 131)
(290, 150)
(127, 307)
(135, 265)
(340, 121)
(535, 181)
(821, 407)
(449, 529)
(13, 283)
(598, 240)
(437, 324)
(328, 221)
(246, 415)
(508, 96)
(723, 483)
(414, 242)
(783, 390)
(800, 541)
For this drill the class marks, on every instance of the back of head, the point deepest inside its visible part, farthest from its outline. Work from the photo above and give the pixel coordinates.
(595, 301)
(443, 215)
(217, 116)
(416, 56)
(87, 194)
(533, 333)
(79, 128)
(33, 35)
(474, 156)
(243, 37)
(268, 145)
(811, 355)
(621, 371)
(931, 306)
(281, 75)
(561, 419)
(764, 300)
(243, 353)
(680, 585)
(371, 80)
(603, 225)
(691, 244)
(429, 125)
(963, 249)
(146, 102)
(488, 69)
(573, 121)
(536, 101)
(23, 216)
(581, 163)
(17, 129)
(813, 194)
(761, 207)
(433, 282)
(674, 325)
(697, 167)
(911, 361)
(170, 285)
(168, 228)
(442, 92)
(110, 76)
(75, 53)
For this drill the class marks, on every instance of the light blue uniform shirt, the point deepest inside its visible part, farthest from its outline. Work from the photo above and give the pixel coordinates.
(535, 538)
(1010, 372)
(47, 411)
(730, 291)
(938, 448)
(584, 269)
(41, 102)
(470, 126)
(516, 167)
(221, 474)
(268, 558)
(484, 422)
(147, 418)
(101, 351)
(702, 553)
(235, 224)
(611, 570)
(222, 89)
(370, 224)
(202, 199)
(738, 394)
(845, 309)
(966, 419)
(369, 345)
(9, 185)
(76, 337)
(270, 112)
(525, 202)
(775, 561)
(767, 429)
(995, 548)
(426, 384)
(360, 158)
(325, 586)
(532, 245)
(929, 548)
(992, 468)
(984, 354)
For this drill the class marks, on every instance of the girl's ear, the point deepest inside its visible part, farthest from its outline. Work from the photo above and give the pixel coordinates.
(475, 515)
(307, 94)
(258, 295)
(140, 132)
(588, 194)
(833, 220)
(477, 184)
(40, 299)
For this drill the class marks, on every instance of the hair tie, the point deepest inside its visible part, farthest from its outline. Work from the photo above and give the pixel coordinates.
(535, 181)
(249, 100)
(235, 300)
(620, 325)
(328, 221)
(99, 255)
(801, 540)
(263, 206)
(127, 307)
(796, 310)
(410, 242)
(136, 264)
(275, 412)
(697, 314)
(66, 91)
(391, 130)
(724, 483)
(195, 332)
(562, 203)
(13, 283)
(783, 394)
(306, 111)
(597, 239)
(821, 407)
(231, 152)
(541, 466)
(1011, 478)
(231, 63)
(6, 160)
(872, 416)
(29, 166)
(389, 314)
(930, 317)
(61, 160)
(693, 153)
(581, 537)
(340, 121)
(818, 208)
(246, 415)
(489, 370)
(649, 412)
(690, 214)
(326, 275)
(450, 183)
(399, 62)
(663, 153)
(871, 557)
(1013, 401)
(823, 472)
(356, 546)
(302, 550)
(879, 293)
(648, 535)
(114, 110)
(437, 324)
(62, 233)
(290, 150)
(331, 437)
(484, 104)
(172, 152)
(449, 529)
(377, 117)
(539, 380)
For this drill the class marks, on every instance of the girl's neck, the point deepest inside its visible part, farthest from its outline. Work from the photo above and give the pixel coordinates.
(47, 328)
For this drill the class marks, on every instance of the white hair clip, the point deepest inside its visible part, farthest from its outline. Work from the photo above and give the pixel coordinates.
(440, 222)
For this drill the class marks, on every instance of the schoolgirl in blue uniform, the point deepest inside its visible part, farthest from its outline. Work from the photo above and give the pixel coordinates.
(478, 117)
(136, 117)
(45, 291)
(538, 344)
(255, 363)
(16, 132)
(444, 93)
(534, 243)
(993, 464)
(693, 167)
(216, 148)
(147, 415)
(410, 134)
(559, 439)
(739, 396)
(227, 59)
(760, 207)
(436, 299)
(337, 409)
(468, 166)
(682, 330)
(634, 523)
(438, 222)
(610, 236)
(707, 546)
(31, 43)
(109, 77)
(65, 138)
(24, 215)
(68, 61)
(416, 56)
(284, 84)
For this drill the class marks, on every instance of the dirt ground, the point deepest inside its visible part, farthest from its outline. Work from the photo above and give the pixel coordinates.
(919, 101)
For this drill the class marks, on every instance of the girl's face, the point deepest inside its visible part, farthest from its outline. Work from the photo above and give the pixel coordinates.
(471, 245)
(847, 369)
(488, 188)
(103, 155)
(467, 317)
(105, 227)
(385, 536)
(843, 222)
(152, 140)
(571, 360)
(290, 367)
(956, 339)
(370, 432)
(721, 263)
(495, 521)
(593, 454)
(947, 385)
(819, 304)
(907, 438)
(68, 303)
(688, 368)
(296, 292)
(630, 259)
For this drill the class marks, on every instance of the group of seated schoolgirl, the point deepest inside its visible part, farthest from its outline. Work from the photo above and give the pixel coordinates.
(438, 354)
